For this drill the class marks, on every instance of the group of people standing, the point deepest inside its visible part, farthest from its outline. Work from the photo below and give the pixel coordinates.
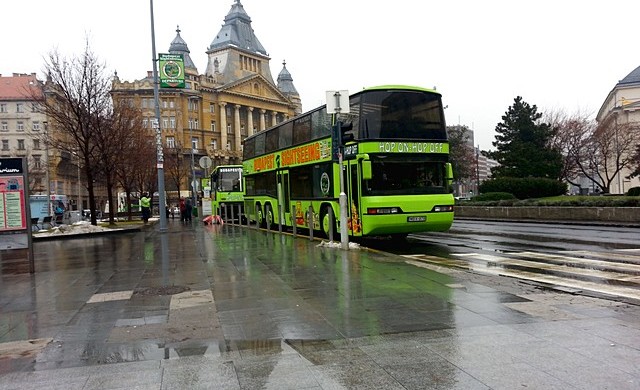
(186, 208)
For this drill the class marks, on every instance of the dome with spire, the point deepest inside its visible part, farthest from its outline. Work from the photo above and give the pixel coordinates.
(179, 46)
(285, 81)
(236, 31)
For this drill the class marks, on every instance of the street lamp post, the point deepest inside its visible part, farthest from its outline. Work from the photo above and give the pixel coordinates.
(192, 102)
(159, 153)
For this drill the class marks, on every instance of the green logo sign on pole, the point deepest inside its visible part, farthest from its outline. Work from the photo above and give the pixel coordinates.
(171, 70)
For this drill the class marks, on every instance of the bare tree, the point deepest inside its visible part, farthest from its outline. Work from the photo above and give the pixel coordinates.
(175, 167)
(77, 97)
(134, 146)
(598, 152)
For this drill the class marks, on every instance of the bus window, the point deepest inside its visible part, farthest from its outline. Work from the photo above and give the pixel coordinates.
(302, 130)
(259, 147)
(321, 124)
(271, 143)
(249, 148)
(396, 176)
(286, 136)
(406, 115)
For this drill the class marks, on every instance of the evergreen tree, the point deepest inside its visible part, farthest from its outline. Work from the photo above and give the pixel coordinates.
(523, 144)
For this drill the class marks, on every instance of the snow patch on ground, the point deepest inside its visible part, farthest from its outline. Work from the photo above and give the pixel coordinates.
(81, 227)
(338, 245)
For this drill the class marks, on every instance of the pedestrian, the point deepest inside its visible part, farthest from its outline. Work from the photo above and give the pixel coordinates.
(188, 209)
(166, 209)
(183, 208)
(145, 204)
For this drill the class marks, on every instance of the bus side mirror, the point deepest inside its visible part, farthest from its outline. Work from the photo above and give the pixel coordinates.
(366, 170)
(449, 172)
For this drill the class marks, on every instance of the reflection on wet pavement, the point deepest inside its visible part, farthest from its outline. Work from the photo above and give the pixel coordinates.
(230, 307)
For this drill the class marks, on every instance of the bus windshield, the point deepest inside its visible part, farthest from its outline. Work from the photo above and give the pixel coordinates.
(401, 115)
(394, 175)
(228, 180)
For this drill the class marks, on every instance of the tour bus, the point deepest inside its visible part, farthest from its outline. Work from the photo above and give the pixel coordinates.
(226, 191)
(397, 177)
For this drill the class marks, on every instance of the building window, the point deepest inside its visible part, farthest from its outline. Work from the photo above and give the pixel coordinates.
(20, 126)
(171, 142)
(212, 108)
(172, 122)
(36, 161)
(214, 144)
(19, 107)
(5, 144)
(145, 122)
(164, 103)
(194, 143)
(196, 124)
(20, 144)
(36, 144)
(229, 129)
(3, 107)
(165, 122)
(213, 126)
(4, 126)
(172, 104)
(242, 130)
(34, 107)
(36, 126)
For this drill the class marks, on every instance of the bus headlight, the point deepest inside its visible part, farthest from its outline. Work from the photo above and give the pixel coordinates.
(442, 209)
(384, 210)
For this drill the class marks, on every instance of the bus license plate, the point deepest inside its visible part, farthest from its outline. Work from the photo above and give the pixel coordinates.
(416, 219)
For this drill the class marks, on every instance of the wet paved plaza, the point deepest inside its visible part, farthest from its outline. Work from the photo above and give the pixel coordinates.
(225, 307)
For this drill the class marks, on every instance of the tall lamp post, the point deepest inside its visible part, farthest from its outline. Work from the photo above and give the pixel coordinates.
(159, 153)
(192, 103)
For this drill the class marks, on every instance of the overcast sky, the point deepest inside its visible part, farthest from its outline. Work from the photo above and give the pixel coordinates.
(557, 54)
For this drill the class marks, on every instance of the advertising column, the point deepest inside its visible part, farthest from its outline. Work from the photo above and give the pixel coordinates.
(15, 224)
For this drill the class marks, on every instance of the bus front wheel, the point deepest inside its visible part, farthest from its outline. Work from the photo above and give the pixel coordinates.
(268, 216)
(260, 217)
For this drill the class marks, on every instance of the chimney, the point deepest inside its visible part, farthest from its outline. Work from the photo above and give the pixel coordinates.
(149, 73)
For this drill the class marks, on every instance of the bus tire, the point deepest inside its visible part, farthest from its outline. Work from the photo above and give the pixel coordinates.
(260, 217)
(325, 223)
(268, 216)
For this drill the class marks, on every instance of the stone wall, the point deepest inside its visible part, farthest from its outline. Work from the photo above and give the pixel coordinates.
(601, 214)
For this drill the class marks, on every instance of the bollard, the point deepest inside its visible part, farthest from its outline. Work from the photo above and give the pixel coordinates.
(293, 222)
(310, 220)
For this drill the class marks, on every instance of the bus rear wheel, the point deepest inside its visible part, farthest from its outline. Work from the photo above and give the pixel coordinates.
(326, 225)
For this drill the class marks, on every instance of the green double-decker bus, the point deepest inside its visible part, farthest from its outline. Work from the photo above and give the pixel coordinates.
(397, 177)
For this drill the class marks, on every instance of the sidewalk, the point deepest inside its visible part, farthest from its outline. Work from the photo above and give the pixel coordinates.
(228, 307)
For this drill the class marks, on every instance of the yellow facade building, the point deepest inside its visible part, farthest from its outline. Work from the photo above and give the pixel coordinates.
(235, 97)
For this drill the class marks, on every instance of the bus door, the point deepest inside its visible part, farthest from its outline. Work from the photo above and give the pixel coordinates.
(283, 194)
(353, 199)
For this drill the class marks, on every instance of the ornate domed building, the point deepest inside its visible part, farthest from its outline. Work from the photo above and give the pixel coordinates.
(234, 98)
